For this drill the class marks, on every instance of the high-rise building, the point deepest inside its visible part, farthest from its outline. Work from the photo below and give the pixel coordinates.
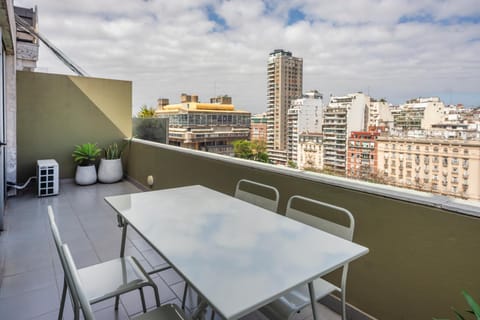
(304, 116)
(285, 78)
(342, 116)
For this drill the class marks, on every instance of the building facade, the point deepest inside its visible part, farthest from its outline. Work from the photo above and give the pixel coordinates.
(362, 155)
(342, 116)
(27, 45)
(419, 114)
(447, 167)
(258, 127)
(209, 127)
(379, 114)
(310, 152)
(304, 116)
(285, 78)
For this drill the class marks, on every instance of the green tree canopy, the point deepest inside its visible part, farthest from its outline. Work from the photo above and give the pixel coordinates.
(252, 150)
(146, 112)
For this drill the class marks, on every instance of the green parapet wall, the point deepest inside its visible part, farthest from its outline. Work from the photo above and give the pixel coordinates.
(56, 112)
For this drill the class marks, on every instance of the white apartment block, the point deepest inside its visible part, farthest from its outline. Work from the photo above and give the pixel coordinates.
(304, 116)
(310, 152)
(447, 167)
(379, 114)
(285, 78)
(342, 116)
(420, 114)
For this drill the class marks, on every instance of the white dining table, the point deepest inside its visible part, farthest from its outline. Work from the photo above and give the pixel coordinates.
(236, 255)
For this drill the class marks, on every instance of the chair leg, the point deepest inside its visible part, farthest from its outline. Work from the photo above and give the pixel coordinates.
(117, 301)
(144, 307)
(344, 308)
(76, 311)
(184, 295)
(62, 301)
(157, 296)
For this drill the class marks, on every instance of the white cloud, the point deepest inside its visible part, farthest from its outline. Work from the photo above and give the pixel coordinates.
(170, 47)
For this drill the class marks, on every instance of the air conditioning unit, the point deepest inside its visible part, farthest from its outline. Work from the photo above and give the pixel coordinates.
(47, 177)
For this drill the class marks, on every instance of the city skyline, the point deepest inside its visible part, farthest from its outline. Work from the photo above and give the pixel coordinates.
(394, 50)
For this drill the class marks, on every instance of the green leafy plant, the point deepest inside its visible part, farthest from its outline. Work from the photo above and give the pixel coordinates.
(475, 311)
(86, 154)
(113, 151)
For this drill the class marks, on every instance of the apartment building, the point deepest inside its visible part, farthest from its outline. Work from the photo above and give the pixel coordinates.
(342, 116)
(447, 167)
(209, 127)
(258, 127)
(362, 156)
(285, 78)
(304, 116)
(379, 114)
(419, 114)
(310, 151)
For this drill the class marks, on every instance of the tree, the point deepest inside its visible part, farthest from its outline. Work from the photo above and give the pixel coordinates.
(292, 164)
(252, 150)
(146, 112)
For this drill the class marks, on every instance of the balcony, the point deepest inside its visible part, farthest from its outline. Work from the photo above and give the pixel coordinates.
(393, 223)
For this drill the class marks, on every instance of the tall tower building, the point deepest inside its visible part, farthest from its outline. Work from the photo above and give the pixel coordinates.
(285, 78)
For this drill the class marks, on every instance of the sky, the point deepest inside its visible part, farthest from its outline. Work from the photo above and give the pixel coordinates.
(392, 49)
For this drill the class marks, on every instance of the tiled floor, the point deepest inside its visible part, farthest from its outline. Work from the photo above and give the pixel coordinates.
(31, 276)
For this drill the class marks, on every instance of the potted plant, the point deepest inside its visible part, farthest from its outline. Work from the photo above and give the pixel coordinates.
(85, 156)
(110, 169)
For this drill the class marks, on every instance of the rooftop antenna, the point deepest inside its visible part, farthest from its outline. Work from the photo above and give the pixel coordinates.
(25, 26)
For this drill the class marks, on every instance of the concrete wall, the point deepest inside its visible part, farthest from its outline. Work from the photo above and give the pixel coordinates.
(57, 112)
(420, 257)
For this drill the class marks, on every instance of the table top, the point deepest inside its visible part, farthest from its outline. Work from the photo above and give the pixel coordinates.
(237, 255)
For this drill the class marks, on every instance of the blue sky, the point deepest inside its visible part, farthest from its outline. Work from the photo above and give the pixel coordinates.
(393, 49)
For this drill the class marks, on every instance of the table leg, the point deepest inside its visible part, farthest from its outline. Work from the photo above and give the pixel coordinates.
(201, 309)
(124, 239)
(312, 300)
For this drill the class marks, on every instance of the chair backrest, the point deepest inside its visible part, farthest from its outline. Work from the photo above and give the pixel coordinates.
(55, 233)
(345, 232)
(259, 200)
(77, 286)
(58, 246)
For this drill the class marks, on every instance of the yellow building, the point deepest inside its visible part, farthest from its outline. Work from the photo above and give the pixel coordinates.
(210, 127)
(447, 167)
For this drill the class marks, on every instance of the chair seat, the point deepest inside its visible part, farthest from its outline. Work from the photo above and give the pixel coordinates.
(113, 277)
(297, 299)
(165, 312)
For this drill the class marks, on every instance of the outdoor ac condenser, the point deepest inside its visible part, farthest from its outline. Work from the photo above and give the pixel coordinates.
(47, 177)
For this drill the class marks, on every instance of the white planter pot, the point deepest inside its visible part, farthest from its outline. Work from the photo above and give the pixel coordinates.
(86, 175)
(110, 171)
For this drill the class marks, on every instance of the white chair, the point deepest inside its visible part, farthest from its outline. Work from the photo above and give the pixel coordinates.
(166, 312)
(104, 280)
(259, 200)
(294, 301)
